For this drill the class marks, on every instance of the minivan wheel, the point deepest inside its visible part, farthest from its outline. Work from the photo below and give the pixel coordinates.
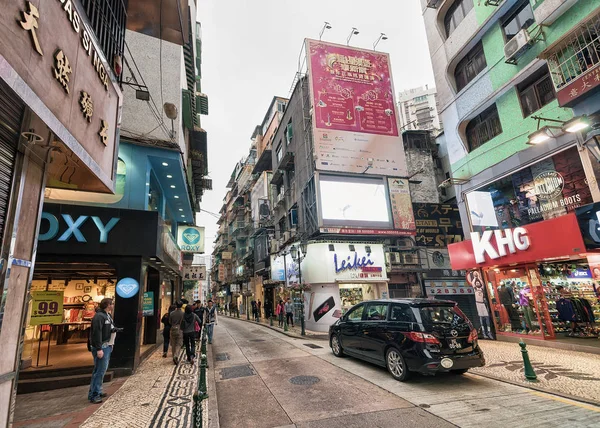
(396, 365)
(336, 346)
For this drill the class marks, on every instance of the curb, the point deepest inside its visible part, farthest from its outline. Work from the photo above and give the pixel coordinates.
(277, 329)
(538, 388)
(213, 407)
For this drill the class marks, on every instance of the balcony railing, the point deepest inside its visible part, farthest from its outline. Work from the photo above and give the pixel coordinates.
(576, 54)
(108, 19)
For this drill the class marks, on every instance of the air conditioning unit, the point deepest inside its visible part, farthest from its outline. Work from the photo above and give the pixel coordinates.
(517, 46)
(395, 258)
(286, 236)
(293, 231)
(410, 259)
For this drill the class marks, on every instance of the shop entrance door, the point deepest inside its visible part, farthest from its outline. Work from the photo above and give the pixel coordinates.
(519, 303)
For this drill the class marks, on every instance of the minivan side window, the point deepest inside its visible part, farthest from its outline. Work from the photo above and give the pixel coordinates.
(377, 311)
(402, 313)
(356, 313)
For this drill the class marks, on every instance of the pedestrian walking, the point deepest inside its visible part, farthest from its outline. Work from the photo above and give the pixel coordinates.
(289, 311)
(167, 330)
(102, 339)
(280, 312)
(175, 319)
(254, 310)
(258, 307)
(199, 311)
(189, 326)
(210, 320)
(268, 309)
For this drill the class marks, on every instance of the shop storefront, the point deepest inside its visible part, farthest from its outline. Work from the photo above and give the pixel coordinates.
(85, 254)
(536, 284)
(341, 275)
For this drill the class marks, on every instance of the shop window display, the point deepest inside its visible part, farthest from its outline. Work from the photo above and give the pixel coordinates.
(548, 301)
(352, 294)
(64, 343)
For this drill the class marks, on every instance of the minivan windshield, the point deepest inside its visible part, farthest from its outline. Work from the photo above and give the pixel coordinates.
(441, 315)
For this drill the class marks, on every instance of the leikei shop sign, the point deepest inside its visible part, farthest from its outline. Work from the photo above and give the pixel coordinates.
(528, 244)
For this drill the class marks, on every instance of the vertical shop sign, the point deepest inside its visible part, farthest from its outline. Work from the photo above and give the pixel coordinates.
(355, 120)
(402, 210)
(46, 307)
(148, 304)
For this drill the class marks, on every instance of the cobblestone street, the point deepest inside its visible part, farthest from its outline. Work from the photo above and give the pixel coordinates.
(568, 373)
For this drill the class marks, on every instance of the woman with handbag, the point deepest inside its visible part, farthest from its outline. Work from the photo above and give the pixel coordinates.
(189, 326)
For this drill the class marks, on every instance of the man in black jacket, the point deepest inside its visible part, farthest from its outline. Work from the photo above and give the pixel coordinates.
(102, 336)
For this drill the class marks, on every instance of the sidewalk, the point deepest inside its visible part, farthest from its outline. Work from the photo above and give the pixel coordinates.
(566, 373)
(158, 394)
(294, 331)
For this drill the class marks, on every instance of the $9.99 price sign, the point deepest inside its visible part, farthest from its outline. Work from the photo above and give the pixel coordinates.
(46, 307)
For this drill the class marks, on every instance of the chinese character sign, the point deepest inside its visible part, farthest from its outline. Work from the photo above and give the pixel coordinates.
(437, 224)
(402, 209)
(578, 87)
(355, 121)
(194, 273)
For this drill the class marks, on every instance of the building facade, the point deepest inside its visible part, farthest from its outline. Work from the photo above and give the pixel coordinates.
(418, 109)
(517, 102)
(86, 177)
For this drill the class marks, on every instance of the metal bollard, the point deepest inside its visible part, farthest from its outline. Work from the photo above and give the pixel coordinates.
(271, 321)
(529, 372)
(202, 390)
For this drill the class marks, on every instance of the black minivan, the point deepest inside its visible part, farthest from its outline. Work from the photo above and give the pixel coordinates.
(408, 335)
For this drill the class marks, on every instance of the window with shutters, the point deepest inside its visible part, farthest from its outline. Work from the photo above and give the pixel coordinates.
(455, 14)
(536, 91)
(289, 133)
(470, 66)
(483, 127)
(517, 19)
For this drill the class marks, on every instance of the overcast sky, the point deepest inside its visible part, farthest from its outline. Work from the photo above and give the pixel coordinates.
(250, 52)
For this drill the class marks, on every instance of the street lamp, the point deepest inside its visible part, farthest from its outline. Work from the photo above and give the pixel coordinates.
(327, 26)
(352, 33)
(298, 259)
(382, 36)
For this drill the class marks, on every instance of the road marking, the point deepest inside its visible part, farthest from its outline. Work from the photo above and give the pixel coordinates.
(566, 401)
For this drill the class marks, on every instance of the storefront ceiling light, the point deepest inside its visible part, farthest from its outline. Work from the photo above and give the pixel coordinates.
(165, 164)
(183, 215)
(577, 124)
(180, 209)
(172, 186)
(543, 134)
(169, 176)
(176, 197)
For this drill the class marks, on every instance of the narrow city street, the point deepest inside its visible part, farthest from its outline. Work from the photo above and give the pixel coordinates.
(266, 379)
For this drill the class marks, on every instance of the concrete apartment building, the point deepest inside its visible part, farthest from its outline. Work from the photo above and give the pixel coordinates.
(418, 109)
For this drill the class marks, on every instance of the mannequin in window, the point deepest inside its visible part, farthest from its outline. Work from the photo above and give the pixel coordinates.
(525, 305)
(507, 299)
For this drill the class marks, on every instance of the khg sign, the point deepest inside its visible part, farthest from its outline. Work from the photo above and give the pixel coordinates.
(507, 241)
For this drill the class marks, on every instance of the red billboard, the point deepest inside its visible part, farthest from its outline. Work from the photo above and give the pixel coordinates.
(355, 121)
